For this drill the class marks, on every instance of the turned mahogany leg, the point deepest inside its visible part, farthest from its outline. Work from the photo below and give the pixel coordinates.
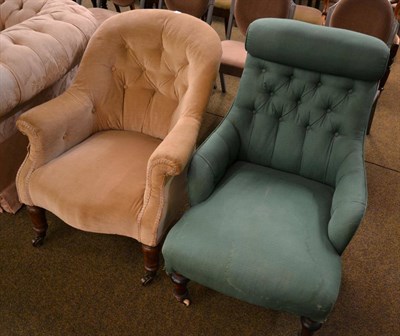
(151, 263)
(181, 292)
(309, 327)
(38, 218)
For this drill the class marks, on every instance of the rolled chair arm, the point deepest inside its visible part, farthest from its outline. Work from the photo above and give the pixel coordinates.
(168, 160)
(53, 128)
(211, 161)
(349, 201)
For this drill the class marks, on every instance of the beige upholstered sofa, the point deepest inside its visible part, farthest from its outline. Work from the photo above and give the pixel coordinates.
(41, 44)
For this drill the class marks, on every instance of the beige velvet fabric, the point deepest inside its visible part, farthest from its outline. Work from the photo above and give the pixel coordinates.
(112, 159)
(42, 49)
(42, 42)
(233, 53)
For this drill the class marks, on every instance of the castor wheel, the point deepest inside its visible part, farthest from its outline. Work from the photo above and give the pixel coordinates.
(186, 302)
(147, 278)
(38, 241)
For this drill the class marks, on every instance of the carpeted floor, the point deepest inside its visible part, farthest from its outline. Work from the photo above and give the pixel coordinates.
(88, 284)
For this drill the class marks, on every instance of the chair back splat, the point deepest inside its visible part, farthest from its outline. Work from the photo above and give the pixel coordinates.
(278, 189)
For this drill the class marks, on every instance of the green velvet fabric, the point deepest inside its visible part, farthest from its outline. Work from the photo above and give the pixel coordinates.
(279, 188)
(261, 237)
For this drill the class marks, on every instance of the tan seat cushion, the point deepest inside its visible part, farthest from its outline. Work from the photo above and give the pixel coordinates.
(233, 53)
(224, 4)
(308, 14)
(99, 184)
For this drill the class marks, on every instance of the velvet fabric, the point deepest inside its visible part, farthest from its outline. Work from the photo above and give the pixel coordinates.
(278, 190)
(42, 42)
(112, 158)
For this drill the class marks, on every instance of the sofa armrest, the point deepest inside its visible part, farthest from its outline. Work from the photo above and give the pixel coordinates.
(52, 128)
(349, 201)
(212, 160)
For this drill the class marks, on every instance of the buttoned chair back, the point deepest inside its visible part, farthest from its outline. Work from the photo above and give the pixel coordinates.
(109, 155)
(278, 190)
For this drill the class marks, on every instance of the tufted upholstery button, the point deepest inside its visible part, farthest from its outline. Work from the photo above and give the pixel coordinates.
(350, 91)
(254, 112)
(319, 84)
(336, 134)
(113, 68)
(125, 86)
(308, 127)
(93, 110)
(280, 119)
(298, 102)
(271, 93)
(328, 110)
(64, 136)
(263, 70)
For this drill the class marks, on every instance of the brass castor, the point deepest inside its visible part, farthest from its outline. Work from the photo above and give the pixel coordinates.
(186, 302)
(148, 278)
(38, 241)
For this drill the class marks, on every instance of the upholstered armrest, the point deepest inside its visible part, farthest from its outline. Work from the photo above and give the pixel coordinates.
(168, 160)
(349, 201)
(53, 128)
(211, 161)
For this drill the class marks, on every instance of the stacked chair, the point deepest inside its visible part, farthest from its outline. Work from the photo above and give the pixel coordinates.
(278, 189)
(123, 3)
(372, 17)
(109, 155)
(243, 12)
(197, 8)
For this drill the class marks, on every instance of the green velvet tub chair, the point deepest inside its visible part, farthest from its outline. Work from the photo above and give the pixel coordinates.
(279, 188)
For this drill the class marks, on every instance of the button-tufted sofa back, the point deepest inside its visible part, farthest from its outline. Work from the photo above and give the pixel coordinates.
(137, 82)
(41, 40)
(303, 111)
(13, 12)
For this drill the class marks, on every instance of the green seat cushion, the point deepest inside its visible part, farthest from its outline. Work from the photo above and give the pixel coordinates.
(261, 237)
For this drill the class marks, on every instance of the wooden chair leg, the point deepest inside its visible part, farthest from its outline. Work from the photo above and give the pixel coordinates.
(117, 8)
(38, 218)
(309, 327)
(222, 80)
(181, 292)
(151, 263)
(372, 113)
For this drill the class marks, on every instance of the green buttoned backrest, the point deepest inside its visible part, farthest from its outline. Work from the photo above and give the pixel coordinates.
(303, 105)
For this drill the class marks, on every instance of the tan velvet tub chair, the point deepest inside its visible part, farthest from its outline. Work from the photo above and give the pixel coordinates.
(109, 155)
